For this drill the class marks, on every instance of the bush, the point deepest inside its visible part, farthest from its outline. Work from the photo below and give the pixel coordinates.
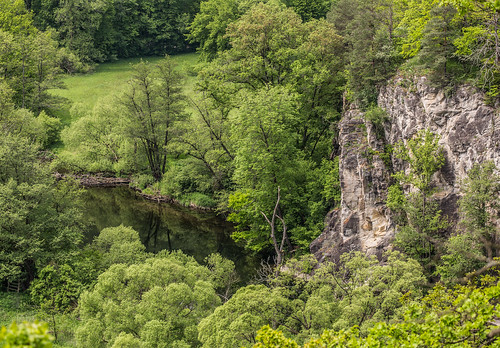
(378, 117)
(198, 200)
(25, 335)
(185, 177)
(51, 127)
(142, 181)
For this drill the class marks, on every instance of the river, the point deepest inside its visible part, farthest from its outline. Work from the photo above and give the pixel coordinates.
(165, 226)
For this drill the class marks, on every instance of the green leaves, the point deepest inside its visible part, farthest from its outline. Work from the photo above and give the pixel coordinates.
(280, 83)
(304, 297)
(236, 322)
(476, 245)
(25, 335)
(368, 31)
(159, 300)
(416, 14)
(119, 245)
(30, 64)
(153, 104)
(133, 132)
(441, 32)
(424, 156)
(421, 220)
(56, 290)
(14, 18)
(460, 317)
(210, 23)
(39, 220)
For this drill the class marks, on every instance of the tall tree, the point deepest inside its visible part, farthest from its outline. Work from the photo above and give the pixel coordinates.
(153, 104)
(267, 158)
(14, 17)
(414, 17)
(310, 9)
(208, 28)
(475, 249)
(207, 133)
(437, 43)
(83, 27)
(46, 74)
(270, 46)
(480, 39)
(419, 233)
(368, 31)
(284, 80)
(39, 220)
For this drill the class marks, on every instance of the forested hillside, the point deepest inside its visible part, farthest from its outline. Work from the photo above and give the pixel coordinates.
(354, 146)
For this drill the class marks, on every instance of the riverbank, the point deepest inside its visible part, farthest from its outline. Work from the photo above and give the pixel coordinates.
(102, 180)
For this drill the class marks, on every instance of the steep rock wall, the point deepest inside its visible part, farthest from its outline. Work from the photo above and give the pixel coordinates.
(362, 222)
(469, 133)
(469, 129)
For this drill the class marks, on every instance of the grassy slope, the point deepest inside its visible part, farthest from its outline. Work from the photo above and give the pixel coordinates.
(109, 79)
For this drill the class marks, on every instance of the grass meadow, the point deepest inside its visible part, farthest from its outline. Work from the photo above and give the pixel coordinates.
(109, 79)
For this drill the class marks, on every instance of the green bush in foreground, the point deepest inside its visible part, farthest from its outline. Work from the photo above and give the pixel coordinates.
(158, 302)
(464, 316)
(25, 335)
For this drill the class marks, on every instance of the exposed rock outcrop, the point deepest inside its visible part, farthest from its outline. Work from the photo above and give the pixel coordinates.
(362, 222)
(469, 133)
(469, 129)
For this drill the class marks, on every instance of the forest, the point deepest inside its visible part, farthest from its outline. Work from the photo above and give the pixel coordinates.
(236, 107)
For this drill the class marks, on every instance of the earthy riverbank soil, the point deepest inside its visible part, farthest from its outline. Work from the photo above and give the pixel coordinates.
(101, 180)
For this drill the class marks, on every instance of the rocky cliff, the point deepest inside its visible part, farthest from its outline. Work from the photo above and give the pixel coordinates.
(469, 133)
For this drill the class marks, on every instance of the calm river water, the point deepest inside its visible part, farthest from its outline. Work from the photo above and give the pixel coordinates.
(164, 226)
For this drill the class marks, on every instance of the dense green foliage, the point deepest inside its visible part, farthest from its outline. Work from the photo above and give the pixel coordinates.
(420, 221)
(25, 335)
(262, 121)
(371, 52)
(302, 302)
(210, 23)
(476, 245)
(30, 60)
(99, 30)
(152, 105)
(255, 138)
(160, 300)
(459, 317)
(39, 220)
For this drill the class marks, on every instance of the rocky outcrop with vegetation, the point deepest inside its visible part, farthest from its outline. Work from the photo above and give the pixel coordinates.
(469, 133)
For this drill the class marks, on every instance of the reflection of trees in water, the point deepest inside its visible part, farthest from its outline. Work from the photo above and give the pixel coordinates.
(154, 227)
(162, 226)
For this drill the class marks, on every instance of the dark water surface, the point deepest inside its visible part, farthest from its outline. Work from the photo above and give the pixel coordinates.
(164, 226)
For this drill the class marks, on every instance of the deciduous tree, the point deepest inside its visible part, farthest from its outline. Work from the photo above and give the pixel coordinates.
(419, 234)
(159, 300)
(153, 104)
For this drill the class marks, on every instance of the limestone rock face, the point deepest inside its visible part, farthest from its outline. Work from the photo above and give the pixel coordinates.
(363, 221)
(469, 133)
(469, 129)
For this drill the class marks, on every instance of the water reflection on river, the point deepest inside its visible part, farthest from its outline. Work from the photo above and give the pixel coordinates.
(164, 226)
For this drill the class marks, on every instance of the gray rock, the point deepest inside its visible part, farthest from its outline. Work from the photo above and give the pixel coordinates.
(469, 133)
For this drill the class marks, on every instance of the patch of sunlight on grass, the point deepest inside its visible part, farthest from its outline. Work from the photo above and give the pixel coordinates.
(109, 79)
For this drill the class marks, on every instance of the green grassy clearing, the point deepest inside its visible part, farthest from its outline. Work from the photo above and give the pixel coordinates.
(15, 307)
(109, 79)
